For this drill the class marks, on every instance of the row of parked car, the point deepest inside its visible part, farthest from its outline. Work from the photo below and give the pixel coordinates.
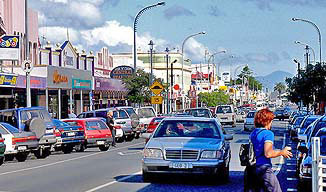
(302, 127)
(32, 130)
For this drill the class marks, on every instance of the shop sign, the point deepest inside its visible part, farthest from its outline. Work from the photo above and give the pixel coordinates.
(105, 84)
(121, 72)
(36, 82)
(8, 80)
(58, 78)
(9, 48)
(81, 84)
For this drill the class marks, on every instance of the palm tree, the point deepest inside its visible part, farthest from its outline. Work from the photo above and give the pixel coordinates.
(279, 87)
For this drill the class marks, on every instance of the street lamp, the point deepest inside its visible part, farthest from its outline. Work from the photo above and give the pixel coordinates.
(171, 84)
(209, 59)
(307, 46)
(316, 27)
(182, 50)
(135, 27)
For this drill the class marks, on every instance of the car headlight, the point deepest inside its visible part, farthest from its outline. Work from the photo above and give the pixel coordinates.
(153, 153)
(211, 154)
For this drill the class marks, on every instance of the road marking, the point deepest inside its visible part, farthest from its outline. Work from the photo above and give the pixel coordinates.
(291, 179)
(291, 170)
(113, 182)
(124, 153)
(291, 189)
(67, 160)
(289, 164)
(278, 169)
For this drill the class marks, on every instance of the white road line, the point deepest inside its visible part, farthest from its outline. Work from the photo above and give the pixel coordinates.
(291, 179)
(291, 170)
(277, 171)
(67, 160)
(289, 164)
(291, 189)
(113, 182)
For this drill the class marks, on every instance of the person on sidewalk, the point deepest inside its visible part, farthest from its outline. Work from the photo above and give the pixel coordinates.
(110, 123)
(262, 139)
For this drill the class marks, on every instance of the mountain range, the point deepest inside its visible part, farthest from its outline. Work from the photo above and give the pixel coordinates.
(271, 79)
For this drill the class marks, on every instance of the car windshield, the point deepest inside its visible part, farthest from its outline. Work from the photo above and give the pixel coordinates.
(251, 115)
(95, 125)
(58, 123)
(10, 128)
(183, 128)
(146, 112)
(298, 120)
(199, 112)
(223, 109)
(130, 111)
(308, 122)
(30, 114)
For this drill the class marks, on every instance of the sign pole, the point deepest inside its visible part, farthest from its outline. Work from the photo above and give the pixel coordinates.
(28, 78)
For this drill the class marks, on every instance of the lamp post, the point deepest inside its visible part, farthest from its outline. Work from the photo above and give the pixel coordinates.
(219, 64)
(209, 59)
(171, 82)
(316, 27)
(135, 27)
(167, 79)
(182, 52)
(309, 47)
(151, 44)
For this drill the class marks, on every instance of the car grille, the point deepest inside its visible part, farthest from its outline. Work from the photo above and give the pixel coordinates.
(181, 154)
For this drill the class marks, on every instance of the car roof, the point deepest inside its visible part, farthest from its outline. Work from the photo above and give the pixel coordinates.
(190, 119)
(83, 119)
(23, 109)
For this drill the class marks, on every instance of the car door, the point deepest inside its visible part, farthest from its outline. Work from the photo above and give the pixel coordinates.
(7, 136)
(104, 130)
(92, 129)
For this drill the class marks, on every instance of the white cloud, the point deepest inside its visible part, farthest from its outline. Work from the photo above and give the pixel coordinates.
(194, 50)
(58, 34)
(56, 1)
(85, 10)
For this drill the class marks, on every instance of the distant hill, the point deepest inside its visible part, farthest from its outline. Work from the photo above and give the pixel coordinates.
(270, 80)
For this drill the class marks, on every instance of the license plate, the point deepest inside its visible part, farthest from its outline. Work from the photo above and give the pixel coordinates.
(180, 165)
(21, 148)
(100, 142)
(224, 118)
(70, 134)
(48, 131)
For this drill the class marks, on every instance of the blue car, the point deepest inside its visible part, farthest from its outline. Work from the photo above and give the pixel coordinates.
(68, 136)
(33, 119)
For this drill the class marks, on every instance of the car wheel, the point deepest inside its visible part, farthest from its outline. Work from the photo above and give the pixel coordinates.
(67, 149)
(148, 177)
(2, 159)
(21, 157)
(224, 176)
(104, 147)
(120, 139)
(130, 137)
(9, 157)
(137, 135)
(42, 153)
(80, 148)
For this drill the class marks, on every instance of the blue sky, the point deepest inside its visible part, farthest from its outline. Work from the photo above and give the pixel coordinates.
(259, 33)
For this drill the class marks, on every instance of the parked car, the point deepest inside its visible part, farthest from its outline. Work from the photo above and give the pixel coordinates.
(18, 143)
(145, 114)
(68, 136)
(249, 121)
(96, 132)
(2, 150)
(153, 124)
(281, 114)
(240, 116)
(33, 119)
(199, 112)
(306, 122)
(187, 145)
(296, 125)
(138, 127)
(226, 115)
(128, 123)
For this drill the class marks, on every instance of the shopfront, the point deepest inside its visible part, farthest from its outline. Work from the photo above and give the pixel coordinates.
(7, 85)
(68, 91)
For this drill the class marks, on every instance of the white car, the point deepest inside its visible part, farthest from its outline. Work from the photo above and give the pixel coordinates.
(249, 121)
(145, 114)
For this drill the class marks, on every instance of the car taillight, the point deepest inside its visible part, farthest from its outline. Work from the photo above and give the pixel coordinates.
(18, 140)
(117, 127)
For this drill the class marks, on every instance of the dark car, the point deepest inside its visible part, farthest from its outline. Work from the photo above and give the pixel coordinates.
(68, 136)
(293, 128)
(33, 119)
(18, 143)
(281, 114)
(187, 146)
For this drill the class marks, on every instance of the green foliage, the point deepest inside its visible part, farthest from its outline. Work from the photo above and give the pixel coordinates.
(279, 87)
(309, 86)
(247, 74)
(213, 99)
(138, 87)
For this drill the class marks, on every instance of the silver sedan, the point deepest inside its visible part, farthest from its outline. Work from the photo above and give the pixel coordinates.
(187, 145)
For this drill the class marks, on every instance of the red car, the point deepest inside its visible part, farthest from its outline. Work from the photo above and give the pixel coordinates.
(153, 124)
(97, 133)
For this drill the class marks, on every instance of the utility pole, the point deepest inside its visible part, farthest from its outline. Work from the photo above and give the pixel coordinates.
(307, 56)
(167, 79)
(171, 82)
(151, 44)
(28, 78)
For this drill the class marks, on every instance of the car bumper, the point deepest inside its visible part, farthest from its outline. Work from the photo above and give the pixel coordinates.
(95, 142)
(47, 140)
(198, 167)
(74, 140)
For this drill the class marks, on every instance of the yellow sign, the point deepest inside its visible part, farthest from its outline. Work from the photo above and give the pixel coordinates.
(156, 99)
(156, 88)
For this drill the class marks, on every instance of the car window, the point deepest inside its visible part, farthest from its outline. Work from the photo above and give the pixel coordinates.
(10, 128)
(89, 115)
(100, 114)
(224, 109)
(95, 125)
(146, 112)
(58, 123)
(74, 123)
(298, 121)
(81, 115)
(115, 115)
(130, 111)
(308, 122)
(251, 115)
(199, 113)
(179, 128)
(9, 117)
(3, 131)
(123, 114)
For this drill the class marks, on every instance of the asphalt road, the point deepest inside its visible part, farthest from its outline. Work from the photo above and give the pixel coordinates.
(119, 169)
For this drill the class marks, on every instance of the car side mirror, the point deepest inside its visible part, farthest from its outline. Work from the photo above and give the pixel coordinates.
(302, 137)
(146, 135)
(228, 137)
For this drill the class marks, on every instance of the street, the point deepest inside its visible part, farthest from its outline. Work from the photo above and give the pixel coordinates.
(119, 169)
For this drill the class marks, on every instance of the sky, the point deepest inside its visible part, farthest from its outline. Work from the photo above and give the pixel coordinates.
(258, 33)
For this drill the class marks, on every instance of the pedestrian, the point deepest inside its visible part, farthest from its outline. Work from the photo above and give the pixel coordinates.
(261, 177)
(110, 123)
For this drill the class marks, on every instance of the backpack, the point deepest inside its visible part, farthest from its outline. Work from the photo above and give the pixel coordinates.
(247, 153)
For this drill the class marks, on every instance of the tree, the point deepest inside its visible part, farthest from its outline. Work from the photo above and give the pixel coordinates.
(279, 87)
(213, 99)
(246, 77)
(138, 87)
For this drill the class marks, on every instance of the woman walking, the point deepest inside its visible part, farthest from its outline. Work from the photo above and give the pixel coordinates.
(262, 139)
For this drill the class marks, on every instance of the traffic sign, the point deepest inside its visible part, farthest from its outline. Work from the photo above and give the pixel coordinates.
(176, 87)
(156, 99)
(156, 88)
(27, 66)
